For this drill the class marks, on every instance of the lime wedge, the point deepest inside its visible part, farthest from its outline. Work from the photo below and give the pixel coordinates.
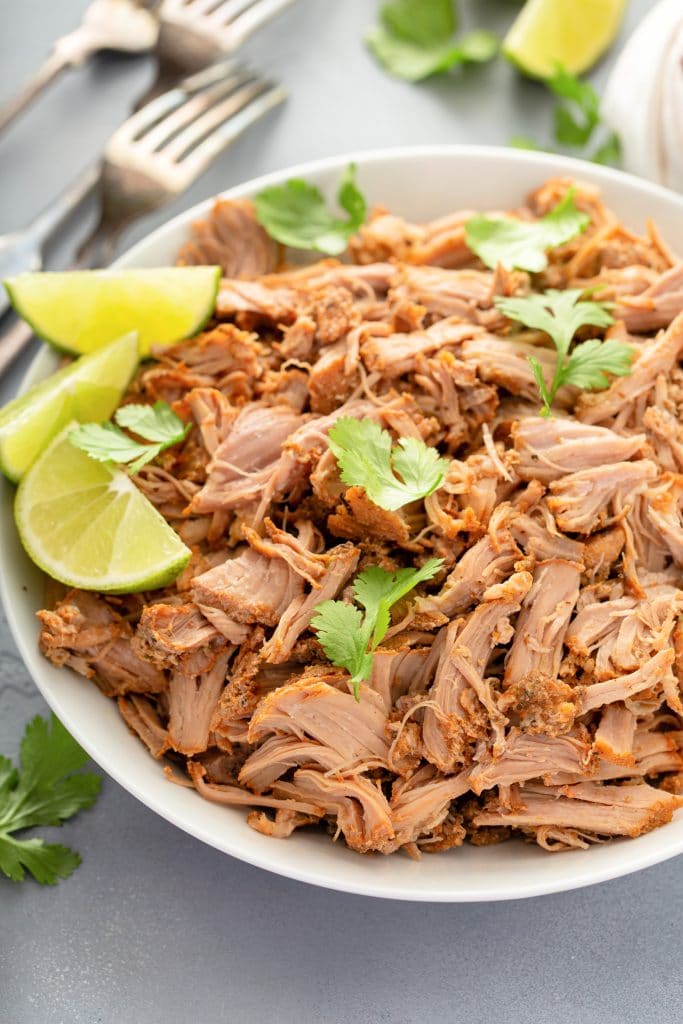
(81, 310)
(89, 389)
(573, 33)
(86, 523)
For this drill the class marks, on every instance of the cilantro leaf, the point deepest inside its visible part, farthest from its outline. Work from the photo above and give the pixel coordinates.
(47, 862)
(378, 591)
(424, 22)
(296, 215)
(608, 152)
(349, 637)
(561, 315)
(106, 442)
(155, 422)
(343, 635)
(48, 790)
(591, 361)
(522, 244)
(366, 459)
(576, 119)
(412, 61)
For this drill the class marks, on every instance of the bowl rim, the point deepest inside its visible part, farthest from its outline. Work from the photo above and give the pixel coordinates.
(587, 873)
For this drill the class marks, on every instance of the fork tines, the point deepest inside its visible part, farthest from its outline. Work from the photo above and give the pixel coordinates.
(233, 20)
(188, 126)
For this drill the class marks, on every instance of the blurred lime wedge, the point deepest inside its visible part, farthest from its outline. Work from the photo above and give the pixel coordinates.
(86, 523)
(89, 389)
(573, 33)
(81, 310)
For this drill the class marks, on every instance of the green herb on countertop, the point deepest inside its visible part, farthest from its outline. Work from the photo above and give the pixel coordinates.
(416, 39)
(576, 119)
(367, 459)
(296, 215)
(560, 314)
(107, 442)
(47, 790)
(350, 637)
(521, 244)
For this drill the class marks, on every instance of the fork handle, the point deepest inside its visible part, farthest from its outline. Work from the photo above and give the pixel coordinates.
(69, 51)
(50, 69)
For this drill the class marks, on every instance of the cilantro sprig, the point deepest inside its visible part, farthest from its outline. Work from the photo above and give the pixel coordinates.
(46, 791)
(107, 442)
(577, 119)
(560, 314)
(366, 459)
(350, 636)
(521, 244)
(296, 215)
(416, 39)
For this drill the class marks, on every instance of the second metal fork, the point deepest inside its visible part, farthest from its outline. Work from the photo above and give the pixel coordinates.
(159, 152)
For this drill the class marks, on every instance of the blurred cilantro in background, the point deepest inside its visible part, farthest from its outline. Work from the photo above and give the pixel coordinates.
(417, 39)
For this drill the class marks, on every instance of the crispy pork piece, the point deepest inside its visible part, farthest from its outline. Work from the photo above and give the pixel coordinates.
(529, 756)
(232, 238)
(656, 357)
(550, 449)
(655, 306)
(591, 807)
(537, 647)
(580, 501)
(396, 354)
(462, 705)
(193, 691)
(249, 588)
(86, 634)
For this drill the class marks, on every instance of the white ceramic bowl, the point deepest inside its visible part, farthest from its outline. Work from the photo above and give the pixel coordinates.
(419, 183)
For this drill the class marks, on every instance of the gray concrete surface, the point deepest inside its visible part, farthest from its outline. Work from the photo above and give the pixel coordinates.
(155, 927)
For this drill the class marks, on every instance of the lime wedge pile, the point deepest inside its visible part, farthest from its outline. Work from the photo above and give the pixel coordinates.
(81, 310)
(573, 33)
(86, 524)
(89, 389)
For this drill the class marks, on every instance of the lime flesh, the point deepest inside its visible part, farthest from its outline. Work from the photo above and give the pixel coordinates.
(80, 310)
(573, 33)
(86, 523)
(88, 389)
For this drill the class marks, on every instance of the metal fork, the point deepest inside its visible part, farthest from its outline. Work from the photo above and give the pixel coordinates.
(194, 33)
(159, 152)
(124, 25)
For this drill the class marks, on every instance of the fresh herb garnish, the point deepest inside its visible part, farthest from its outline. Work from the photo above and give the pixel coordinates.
(296, 215)
(348, 636)
(106, 442)
(416, 39)
(45, 792)
(521, 244)
(576, 119)
(560, 315)
(366, 459)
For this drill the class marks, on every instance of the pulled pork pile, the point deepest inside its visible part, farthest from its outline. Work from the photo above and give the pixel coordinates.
(533, 688)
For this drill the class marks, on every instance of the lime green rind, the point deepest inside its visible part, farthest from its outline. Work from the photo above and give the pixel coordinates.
(76, 392)
(86, 524)
(80, 311)
(572, 33)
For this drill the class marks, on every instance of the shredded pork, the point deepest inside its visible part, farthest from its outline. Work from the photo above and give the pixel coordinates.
(533, 687)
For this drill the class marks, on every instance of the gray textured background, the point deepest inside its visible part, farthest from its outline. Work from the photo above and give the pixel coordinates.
(154, 927)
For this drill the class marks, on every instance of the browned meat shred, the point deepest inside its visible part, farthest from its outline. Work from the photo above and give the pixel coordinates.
(534, 687)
